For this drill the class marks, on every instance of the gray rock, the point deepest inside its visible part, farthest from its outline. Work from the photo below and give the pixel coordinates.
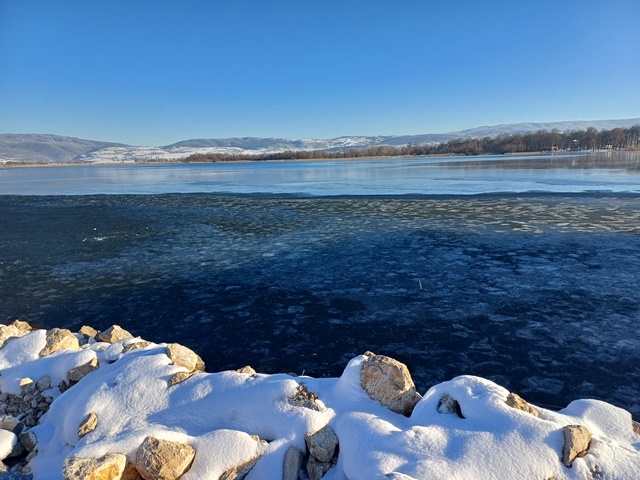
(158, 459)
(322, 444)
(577, 439)
(44, 383)
(130, 347)
(316, 469)
(78, 373)
(518, 403)
(109, 467)
(28, 440)
(389, 382)
(292, 464)
(184, 357)
(88, 425)
(11, 424)
(448, 405)
(59, 339)
(113, 334)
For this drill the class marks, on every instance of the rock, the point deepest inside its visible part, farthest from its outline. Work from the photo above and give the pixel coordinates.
(316, 469)
(109, 467)
(89, 425)
(59, 339)
(28, 440)
(130, 347)
(184, 357)
(179, 377)
(10, 331)
(130, 473)
(88, 332)
(78, 373)
(518, 403)
(305, 398)
(30, 420)
(635, 426)
(18, 450)
(158, 459)
(448, 405)
(27, 385)
(292, 464)
(577, 439)
(389, 382)
(322, 444)
(20, 325)
(44, 383)
(11, 424)
(113, 334)
(239, 472)
(246, 369)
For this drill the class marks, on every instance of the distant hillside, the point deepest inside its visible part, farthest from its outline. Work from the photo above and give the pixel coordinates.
(37, 148)
(56, 149)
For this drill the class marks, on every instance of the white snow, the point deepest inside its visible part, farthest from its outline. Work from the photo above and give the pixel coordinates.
(217, 413)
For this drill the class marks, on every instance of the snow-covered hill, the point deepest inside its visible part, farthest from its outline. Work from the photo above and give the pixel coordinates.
(33, 148)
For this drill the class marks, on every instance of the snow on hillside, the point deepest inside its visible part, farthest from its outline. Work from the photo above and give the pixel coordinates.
(95, 405)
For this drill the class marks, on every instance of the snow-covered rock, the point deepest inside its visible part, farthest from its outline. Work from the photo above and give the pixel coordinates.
(258, 426)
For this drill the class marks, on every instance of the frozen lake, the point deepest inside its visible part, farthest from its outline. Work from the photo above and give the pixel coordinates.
(611, 172)
(536, 291)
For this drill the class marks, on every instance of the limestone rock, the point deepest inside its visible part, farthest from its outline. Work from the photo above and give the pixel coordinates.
(184, 357)
(20, 325)
(78, 373)
(577, 439)
(179, 377)
(635, 426)
(88, 332)
(130, 347)
(246, 369)
(448, 405)
(109, 467)
(158, 459)
(316, 469)
(13, 330)
(322, 444)
(304, 398)
(292, 464)
(89, 425)
(239, 472)
(27, 385)
(518, 403)
(113, 334)
(28, 440)
(389, 382)
(59, 339)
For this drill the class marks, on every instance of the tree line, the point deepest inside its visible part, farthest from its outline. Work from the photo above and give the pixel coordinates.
(540, 141)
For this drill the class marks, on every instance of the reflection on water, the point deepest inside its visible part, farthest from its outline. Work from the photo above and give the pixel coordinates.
(614, 171)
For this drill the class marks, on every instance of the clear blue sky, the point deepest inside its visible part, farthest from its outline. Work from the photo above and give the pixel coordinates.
(152, 72)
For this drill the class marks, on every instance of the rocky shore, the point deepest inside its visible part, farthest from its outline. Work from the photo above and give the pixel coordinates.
(105, 405)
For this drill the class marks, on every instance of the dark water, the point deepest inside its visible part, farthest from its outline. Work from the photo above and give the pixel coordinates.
(538, 292)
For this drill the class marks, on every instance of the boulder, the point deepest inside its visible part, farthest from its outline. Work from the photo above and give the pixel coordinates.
(108, 467)
(304, 398)
(88, 332)
(179, 377)
(246, 369)
(577, 439)
(184, 357)
(78, 373)
(13, 330)
(158, 459)
(88, 425)
(389, 382)
(130, 347)
(11, 424)
(316, 469)
(20, 325)
(239, 472)
(27, 385)
(59, 339)
(518, 403)
(635, 426)
(322, 444)
(448, 405)
(44, 383)
(113, 334)
(292, 464)
(28, 440)
(130, 473)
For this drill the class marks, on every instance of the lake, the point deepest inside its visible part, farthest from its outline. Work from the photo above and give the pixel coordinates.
(531, 283)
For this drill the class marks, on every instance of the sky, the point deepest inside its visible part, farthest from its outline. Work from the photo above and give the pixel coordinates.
(154, 72)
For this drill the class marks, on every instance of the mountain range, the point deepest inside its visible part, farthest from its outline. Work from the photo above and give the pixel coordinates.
(45, 149)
